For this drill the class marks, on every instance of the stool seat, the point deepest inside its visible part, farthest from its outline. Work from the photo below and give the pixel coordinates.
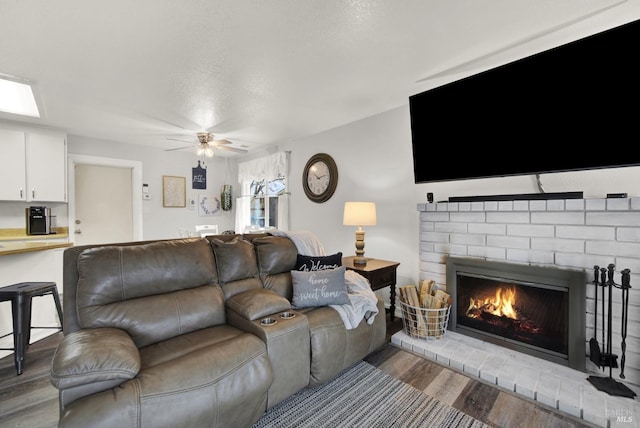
(20, 296)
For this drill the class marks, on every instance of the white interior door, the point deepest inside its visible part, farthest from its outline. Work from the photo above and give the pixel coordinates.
(103, 204)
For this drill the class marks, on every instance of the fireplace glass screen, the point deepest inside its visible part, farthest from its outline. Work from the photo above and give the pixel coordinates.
(533, 315)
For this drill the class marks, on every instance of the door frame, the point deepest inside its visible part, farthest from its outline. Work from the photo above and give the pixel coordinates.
(136, 189)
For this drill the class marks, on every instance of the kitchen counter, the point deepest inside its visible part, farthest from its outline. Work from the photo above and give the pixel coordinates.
(7, 248)
(15, 241)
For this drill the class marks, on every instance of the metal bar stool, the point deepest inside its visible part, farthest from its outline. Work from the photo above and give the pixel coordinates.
(20, 295)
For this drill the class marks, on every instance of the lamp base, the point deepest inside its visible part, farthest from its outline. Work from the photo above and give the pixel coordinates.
(359, 258)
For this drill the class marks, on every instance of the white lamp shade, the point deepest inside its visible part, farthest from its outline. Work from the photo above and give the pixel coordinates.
(359, 214)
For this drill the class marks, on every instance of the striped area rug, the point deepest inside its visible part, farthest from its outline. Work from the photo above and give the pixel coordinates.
(364, 396)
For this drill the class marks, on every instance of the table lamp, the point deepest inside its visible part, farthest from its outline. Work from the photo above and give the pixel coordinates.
(359, 214)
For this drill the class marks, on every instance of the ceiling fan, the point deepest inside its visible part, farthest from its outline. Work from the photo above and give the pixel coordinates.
(207, 144)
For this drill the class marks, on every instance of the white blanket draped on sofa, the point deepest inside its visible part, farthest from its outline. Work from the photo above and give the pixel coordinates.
(363, 299)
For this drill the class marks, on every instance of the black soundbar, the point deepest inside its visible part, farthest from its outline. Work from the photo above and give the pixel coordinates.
(518, 197)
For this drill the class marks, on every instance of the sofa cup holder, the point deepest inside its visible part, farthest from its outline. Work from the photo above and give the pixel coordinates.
(268, 321)
(287, 315)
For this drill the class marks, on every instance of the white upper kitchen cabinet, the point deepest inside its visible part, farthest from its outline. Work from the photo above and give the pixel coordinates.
(33, 166)
(12, 166)
(46, 158)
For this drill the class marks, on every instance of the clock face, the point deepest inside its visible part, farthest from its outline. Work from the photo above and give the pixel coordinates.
(320, 177)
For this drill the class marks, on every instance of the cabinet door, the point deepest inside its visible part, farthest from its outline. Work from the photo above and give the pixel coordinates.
(12, 165)
(46, 167)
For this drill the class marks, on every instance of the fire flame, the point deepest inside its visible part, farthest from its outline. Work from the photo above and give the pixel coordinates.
(502, 304)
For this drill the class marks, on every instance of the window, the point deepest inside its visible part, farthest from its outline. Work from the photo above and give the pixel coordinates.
(261, 205)
(264, 202)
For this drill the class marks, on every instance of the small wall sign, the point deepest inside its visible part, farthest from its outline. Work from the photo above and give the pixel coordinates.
(198, 177)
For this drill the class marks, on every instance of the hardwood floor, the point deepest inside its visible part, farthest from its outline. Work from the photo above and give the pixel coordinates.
(29, 400)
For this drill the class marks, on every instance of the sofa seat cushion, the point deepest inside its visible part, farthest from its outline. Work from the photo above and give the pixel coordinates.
(179, 346)
(202, 385)
(333, 347)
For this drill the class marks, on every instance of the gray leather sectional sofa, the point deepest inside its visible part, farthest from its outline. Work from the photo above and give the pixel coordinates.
(170, 333)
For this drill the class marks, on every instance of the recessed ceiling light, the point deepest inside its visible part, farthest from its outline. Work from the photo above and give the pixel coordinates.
(17, 97)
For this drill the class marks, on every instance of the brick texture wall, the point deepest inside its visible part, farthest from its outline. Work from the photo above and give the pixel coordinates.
(571, 233)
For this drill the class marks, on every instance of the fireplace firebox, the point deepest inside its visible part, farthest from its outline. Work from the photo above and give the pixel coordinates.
(538, 310)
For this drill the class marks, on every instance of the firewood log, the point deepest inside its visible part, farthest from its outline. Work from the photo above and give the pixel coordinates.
(409, 295)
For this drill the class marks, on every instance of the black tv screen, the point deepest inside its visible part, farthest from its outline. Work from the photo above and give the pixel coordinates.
(573, 107)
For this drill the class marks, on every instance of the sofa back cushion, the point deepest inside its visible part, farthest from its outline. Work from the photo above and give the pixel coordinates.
(152, 291)
(276, 257)
(237, 266)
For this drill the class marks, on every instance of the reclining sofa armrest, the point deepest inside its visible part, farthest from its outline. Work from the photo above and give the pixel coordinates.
(258, 303)
(102, 356)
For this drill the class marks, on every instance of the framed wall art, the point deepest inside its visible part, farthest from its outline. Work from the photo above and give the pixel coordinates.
(174, 191)
(208, 205)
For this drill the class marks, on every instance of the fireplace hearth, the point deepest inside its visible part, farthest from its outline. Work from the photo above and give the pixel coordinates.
(538, 310)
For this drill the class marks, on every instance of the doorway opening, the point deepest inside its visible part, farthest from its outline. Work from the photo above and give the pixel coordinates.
(134, 209)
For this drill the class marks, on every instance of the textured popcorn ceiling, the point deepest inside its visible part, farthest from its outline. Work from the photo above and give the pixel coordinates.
(260, 72)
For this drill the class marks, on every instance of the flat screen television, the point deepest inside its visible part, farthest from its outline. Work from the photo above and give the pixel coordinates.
(573, 107)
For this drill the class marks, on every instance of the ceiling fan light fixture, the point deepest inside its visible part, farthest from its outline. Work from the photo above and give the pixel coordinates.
(205, 150)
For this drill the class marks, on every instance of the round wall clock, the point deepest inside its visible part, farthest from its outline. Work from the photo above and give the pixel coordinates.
(320, 177)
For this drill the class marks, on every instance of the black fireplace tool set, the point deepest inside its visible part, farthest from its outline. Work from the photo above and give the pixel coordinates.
(603, 279)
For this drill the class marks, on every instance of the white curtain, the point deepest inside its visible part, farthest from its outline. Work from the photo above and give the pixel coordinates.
(266, 168)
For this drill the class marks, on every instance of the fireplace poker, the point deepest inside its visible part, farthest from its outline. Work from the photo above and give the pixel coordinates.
(603, 285)
(624, 286)
(594, 353)
(609, 357)
(608, 384)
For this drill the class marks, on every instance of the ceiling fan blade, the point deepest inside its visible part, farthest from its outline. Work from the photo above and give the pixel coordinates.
(180, 148)
(230, 149)
(222, 142)
(176, 139)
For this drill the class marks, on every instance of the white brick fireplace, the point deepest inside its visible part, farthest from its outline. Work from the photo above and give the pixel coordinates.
(562, 233)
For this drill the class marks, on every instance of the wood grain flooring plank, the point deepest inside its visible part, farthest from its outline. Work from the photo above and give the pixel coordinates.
(22, 397)
(476, 399)
(381, 355)
(398, 363)
(45, 415)
(511, 411)
(421, 373)
(447, 386)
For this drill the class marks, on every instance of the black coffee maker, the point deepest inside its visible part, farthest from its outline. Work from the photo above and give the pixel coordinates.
(38, 220)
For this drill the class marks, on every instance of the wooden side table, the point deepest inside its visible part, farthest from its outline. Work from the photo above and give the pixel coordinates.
(380, 273)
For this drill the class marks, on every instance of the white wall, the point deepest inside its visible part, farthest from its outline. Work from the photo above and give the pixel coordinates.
(160, 222)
